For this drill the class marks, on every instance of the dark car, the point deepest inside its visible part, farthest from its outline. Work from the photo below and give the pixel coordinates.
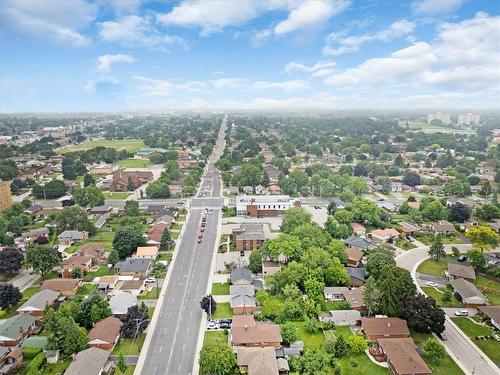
(225, 325)
(462, 258)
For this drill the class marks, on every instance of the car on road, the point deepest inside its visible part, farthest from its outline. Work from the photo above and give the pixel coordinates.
(461, 313)
(150, 280)
(431, 283)
(180, 203)
(200, 238)
(442, 336)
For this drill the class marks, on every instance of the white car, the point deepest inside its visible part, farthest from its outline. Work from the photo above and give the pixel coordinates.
(431, 283)
(461, 313)
(150, 280)
(212, 325)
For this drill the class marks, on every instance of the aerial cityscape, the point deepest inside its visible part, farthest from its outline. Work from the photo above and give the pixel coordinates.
(266, 187)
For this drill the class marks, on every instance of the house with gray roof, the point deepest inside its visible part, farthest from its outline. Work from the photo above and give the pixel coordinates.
(36, 305)
(90, 361)
(468, 293)
(334, 293)
(138, 267)
(342, 317)
(456, 271)
(356, 276)
(14, 330)
(248, 237)
(359, 242)
(241, 276)
(69, 237)
(242, 299)
(119, 303)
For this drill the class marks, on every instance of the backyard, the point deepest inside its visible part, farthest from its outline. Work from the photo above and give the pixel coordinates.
(438, 295)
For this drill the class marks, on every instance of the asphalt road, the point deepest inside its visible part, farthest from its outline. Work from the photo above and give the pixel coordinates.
(174, 336)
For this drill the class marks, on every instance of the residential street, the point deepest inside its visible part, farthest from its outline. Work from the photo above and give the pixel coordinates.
(171, 343)
(458, 345)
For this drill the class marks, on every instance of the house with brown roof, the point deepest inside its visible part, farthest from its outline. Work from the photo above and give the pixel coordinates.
(245, 331)
(134, 287)
(84, 263)
(105, 333)
(121, 179)
(66, 287)
(155, 233)
(95, 251)
(249, 236)
(257, 361)
(91, 361)
(10, 359)
(354, 256)
(358, 229)
(443, 227)
(492, 313)
(355, 298)
(376, 328)
(402, 357)
(460, 271)
(384, 235)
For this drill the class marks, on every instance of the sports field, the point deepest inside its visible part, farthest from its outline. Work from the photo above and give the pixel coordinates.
(131, 145)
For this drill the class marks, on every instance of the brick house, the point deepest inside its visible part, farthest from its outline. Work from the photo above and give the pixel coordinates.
(249, 236)
(105, 333)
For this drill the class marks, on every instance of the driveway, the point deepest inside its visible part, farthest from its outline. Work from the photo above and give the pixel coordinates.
(24, 280)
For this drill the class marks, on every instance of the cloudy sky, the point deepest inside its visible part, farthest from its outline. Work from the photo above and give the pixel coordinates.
(94, 55)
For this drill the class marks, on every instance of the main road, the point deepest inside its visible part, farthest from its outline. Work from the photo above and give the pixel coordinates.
(171, 341)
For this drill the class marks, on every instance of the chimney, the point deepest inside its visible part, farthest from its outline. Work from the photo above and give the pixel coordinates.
(246, 327)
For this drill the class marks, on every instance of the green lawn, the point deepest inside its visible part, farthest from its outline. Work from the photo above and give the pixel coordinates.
(165, 256)
(211, 336)
(86, 289)
(56, 368)
(405, 245)
(471, 329)
(332, 305)
(129, 346)
(493, 298)
(116, 195)
(134, 163)
(488, 283)
(152, 294)
(432, 267)
(448, 366)
(223, 311)
(130, 370)
(131, 145)
(311, 340)
(28, 292)
(428, 239)
(101, 271)
(360, 364)
(219, 289)
(79, 179)
(431, 292)
(103, 235)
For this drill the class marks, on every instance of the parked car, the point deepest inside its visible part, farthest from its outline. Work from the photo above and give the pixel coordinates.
(150, 280)
(212, 325)
(461, 313)
(462, 258)
(442, 336)
(431, 283)
(225, 325)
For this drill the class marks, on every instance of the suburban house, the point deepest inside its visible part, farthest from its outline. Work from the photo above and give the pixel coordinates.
(272, 172)
(358, 229)
(356, 276)
(241, 276)
(30, 236)
(460, 271)
(264, 205)
(136, 267)
(91, 361)
(492, 313)
(69, 237)
(122, 178)
(355, 298)
(66, 287)
(468, 293)
(443, 227)
(359, 242)
(402, 357)
(14, 330)
(341, 317)
(107, 283)
(146, 252)
(334, 293)
(274, 189)
(35, 211)
(245, 331)
(376, 328)
(389, 206)
(247, 189)
(409, 228)
(384, 235)
(120, 303)
(155, 233)
(260, 361)
(165, 219)
(354, 256)
(270, 268)
(84, 263)
(105, 333)
(260, 190)
(242, 299)
(94, 251)
(134, 287)
(10, 360)
(36, 305)
(249, 236)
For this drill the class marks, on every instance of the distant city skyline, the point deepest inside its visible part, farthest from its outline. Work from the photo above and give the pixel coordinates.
(133, 55)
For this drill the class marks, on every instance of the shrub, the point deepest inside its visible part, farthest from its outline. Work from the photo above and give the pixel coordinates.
(30, 353)
(34, 365)
(311, 325)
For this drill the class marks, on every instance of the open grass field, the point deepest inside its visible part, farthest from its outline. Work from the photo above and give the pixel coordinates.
(133, 163)
(430, 128)
(131, 145)
(432, 267)
(489, 347)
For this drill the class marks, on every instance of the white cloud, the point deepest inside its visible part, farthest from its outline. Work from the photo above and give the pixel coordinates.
(93, 85)
(61, 21)
(433, 7)
(338, 44)
(227, 83)
(309, 14)
(105, 61)
(135, 31)
(299, 67)
(292, 85)
(260, 36)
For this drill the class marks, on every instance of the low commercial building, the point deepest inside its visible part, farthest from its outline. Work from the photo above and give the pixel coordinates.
(249, 236)
(264, 205)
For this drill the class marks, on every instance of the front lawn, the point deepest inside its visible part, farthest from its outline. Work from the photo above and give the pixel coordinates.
(165, 256)
(432, 292)
(220, 289)
(28, 292)
(116, 195)
(223, 311)
(134, 163)
(428, 239)
(101, 271)
(448, 366)
(487, 283)
(103, 235)
(56, 368)
(360, 364)
(152, 294)
(405, 245)
(86, 289)
(493, 298)
(211, 336)
(433, 267)
(471, 329)
(129, 346)
(174, 235)
(311, 340)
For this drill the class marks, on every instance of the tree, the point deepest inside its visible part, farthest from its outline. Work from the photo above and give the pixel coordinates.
(434, 351)
(288, 333)
(130, 184)
(433, 211)
(217, 358)
(88, 180)
(74, 218)
(41, 259)
(64, 334)
(376, 260)
(459, 212)
(92, 310)
(336, 248)
(9, 296)
(488, 212)
(255, 261)
(482, 236)
(436, 251)
(90, 196)
(120, 363)
(389, 291)
(166, 240)
(127, 239)
(312, 362)
(314, 290)
(340, 347)
(371, 296)
(365, 211)
(135, 322)
(477, 259)
(412, 179)
(311, 235)
(357, 343)
(311, 325)
(11, 260)
(294, 217)
(76, 273)
(208, 304)
(131, 208)
(423, 315)
(158, 189)
(113, 257)
(51, 190)
(447, 296)
(343, 216)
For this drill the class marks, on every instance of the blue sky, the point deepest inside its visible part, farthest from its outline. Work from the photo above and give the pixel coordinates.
(111, 55)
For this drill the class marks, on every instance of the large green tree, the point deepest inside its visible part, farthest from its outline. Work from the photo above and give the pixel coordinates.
(217, 358)
(42, 259)
(127, 238)
(74, 218)
(294, 217)
(64, 334)
(376, 260)
(90, 196)
(92, 310)
(436, 251)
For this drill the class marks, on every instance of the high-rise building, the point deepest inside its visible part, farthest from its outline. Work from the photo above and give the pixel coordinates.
(443, 117)
(468, 119)
(5, 195)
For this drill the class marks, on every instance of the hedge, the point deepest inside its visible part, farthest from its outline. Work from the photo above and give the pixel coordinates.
(34, 365)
